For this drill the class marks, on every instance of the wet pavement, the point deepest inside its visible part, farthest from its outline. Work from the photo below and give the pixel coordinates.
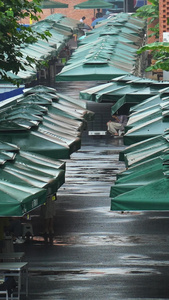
(98, 254)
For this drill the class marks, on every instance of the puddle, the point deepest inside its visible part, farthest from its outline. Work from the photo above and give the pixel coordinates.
(104, 239)
(87, 274)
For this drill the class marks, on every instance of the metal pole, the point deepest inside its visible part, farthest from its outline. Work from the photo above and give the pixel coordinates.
(126, 8)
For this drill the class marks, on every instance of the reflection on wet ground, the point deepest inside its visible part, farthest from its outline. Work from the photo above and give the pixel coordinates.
(98, 254)
(86, 274)
(92, 170)
(103, 239)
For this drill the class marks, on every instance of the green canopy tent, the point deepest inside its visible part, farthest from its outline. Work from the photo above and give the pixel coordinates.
(17, 200)
(146, 114)
(93, 4)
(65, 23)
(117, 89)
(103, 55)
(21, 173)
(152, 101)
(137, 179)
(26, 177)
(141, 155)
(38, 162)
(53, 129)
(48, 4)
(139, 167)
(150, 128)
(7, 152)
(43, 50)
(145, 181)
(153, 196)
(128, 93)
(90, 71)
(142, 150)
(144, 185)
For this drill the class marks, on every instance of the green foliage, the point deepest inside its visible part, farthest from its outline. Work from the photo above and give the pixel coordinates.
(160, 52)
(13, 34)
(150, 13)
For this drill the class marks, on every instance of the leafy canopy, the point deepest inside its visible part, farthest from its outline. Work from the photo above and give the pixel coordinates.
(150, 12)
(159, 51)
(13, 34)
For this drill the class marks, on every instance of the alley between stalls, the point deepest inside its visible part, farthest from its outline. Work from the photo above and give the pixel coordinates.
(97, 254)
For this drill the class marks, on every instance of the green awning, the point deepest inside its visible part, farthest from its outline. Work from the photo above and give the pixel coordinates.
(136, 179)
(139, 167)
(92, 4)
(25, 178)
(145, 115)
(144, 150)
(64, 22)
(17, 200)
(48, 4)
(153, 196)
(20, 173)
(89, 72)
(45, 123)
(38, 142)
(105, 53)
(151, 128)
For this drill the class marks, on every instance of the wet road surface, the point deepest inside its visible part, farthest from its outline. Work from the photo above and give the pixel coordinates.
(98, 254)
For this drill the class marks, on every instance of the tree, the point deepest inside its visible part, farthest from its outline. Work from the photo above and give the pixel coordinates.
(150, 12)
(159, 51)
(13, 34)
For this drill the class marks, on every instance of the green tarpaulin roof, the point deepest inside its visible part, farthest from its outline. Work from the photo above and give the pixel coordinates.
(144, 150)
(134, 91)
(90, 72)
(30, 173)
(56, 126)
(142, 180)
(48, 4)
(102, 55)
(93, 4)
(144, 184)
(61, 31)
(36, 129)
(153, 196)
(16, 200)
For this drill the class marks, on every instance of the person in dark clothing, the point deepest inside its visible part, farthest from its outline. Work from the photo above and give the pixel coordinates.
(99, 14)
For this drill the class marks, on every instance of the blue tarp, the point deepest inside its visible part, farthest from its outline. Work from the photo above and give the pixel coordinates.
(10, 94)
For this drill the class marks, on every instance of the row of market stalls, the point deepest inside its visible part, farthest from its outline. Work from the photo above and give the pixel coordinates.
(107, 51)
(39, 128)
(56, 50)
(143, 185)
(38, 131)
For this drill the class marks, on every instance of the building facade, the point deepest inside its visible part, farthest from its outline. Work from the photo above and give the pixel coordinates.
(163, 18)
